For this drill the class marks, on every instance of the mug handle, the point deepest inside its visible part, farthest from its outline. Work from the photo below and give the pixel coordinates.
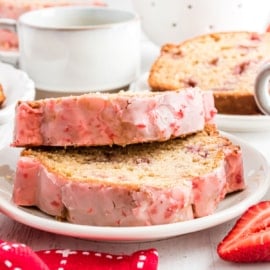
(262, 94)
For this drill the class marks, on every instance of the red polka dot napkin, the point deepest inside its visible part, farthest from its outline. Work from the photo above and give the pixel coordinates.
(17, 256)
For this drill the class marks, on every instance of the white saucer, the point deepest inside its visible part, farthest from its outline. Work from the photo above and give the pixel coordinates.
(17, 86)
(256, 175)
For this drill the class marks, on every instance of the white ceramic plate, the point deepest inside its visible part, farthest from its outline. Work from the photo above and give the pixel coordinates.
(17, 86)
(225, 122)
(256, 174)
(243, 123)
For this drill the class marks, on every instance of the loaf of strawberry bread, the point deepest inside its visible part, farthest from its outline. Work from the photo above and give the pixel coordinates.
(136, 185)
(226, 63)
(107, 119)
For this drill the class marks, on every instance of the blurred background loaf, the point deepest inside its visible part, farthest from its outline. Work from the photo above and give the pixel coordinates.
(226, 63)
(13, 9)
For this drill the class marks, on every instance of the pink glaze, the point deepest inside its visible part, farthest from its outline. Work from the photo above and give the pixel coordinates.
(234, 170)
(95, 203)
(208, 191)
(98, 204)
(104, 119)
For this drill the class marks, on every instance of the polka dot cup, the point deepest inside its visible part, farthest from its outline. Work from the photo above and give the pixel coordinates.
(177, 20)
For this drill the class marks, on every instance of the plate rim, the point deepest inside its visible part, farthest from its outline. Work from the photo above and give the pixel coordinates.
(139, 233)
(10, 53)
(243, 123)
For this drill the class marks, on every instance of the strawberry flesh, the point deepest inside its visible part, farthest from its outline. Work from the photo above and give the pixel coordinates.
(249, 239)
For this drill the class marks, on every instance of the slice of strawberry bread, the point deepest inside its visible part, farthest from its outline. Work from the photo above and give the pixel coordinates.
(15, 8)
(226, 63)
(107, 119)
(137, 185)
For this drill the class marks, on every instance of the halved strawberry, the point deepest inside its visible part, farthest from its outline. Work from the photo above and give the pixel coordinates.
(249, 239)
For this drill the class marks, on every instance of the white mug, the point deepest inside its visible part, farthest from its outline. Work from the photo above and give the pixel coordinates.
(173, 21)
(79, 49)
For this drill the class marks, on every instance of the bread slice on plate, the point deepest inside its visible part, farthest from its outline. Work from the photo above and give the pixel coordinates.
(226, 63)
(136, 185)
(107, 119)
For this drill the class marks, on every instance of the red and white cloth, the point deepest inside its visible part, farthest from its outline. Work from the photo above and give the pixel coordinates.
(17, 256)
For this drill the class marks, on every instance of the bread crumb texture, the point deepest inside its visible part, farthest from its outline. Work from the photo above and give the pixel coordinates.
(161, 164)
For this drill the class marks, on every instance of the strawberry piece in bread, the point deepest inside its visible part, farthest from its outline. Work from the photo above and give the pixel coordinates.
(249, 239)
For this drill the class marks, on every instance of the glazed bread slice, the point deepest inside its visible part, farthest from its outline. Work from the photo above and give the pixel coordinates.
(136, 185)
(226, 63)
(106, 119)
